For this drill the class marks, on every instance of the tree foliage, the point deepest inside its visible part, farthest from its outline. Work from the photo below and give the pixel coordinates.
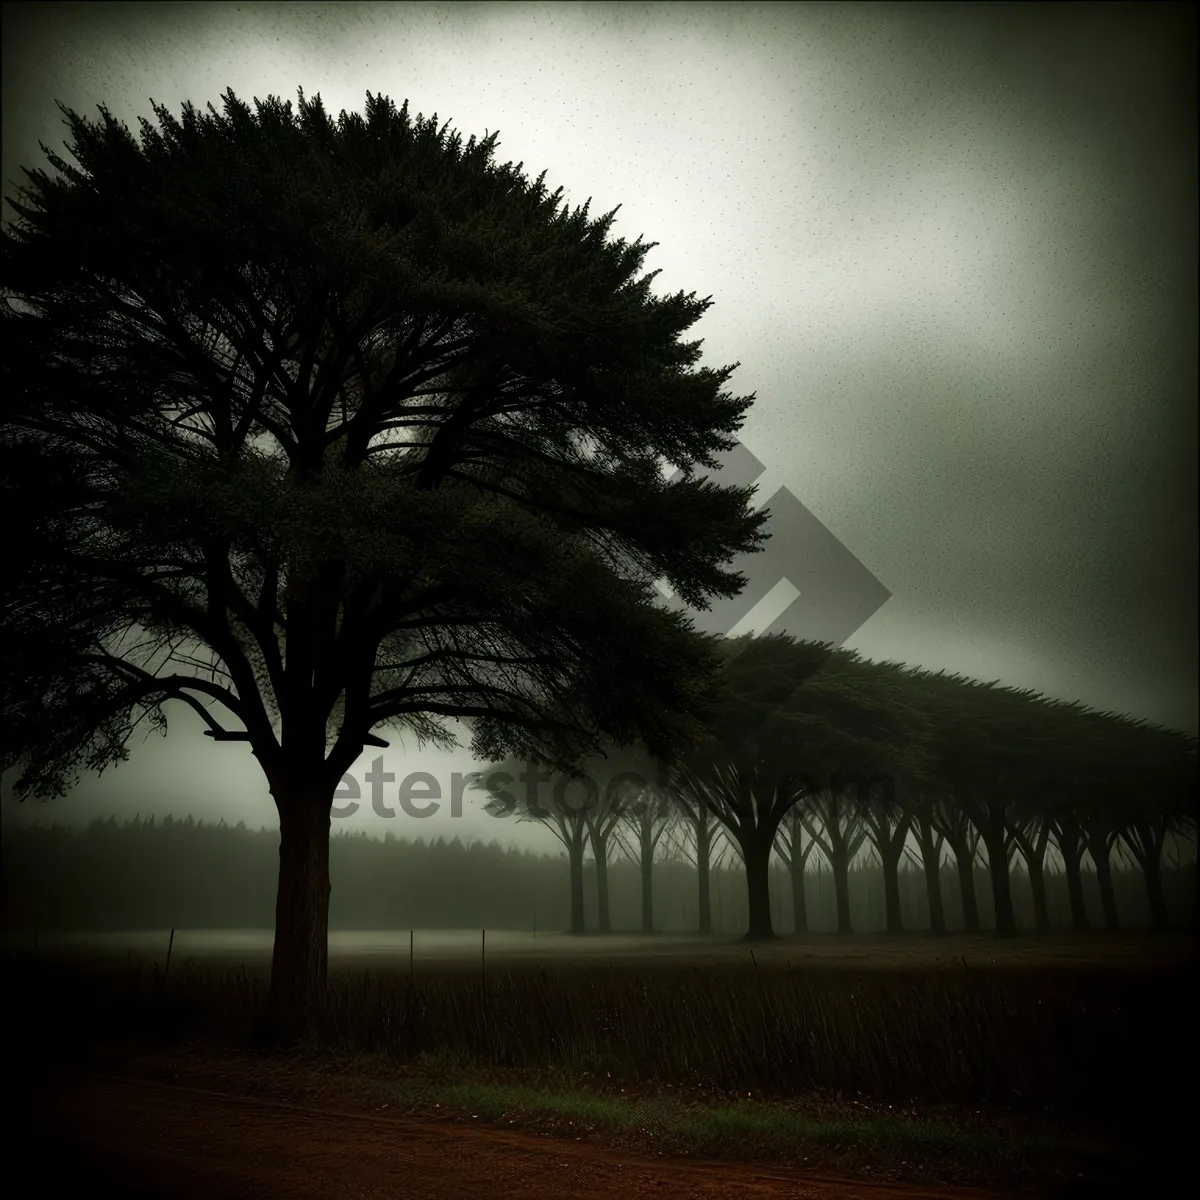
(339, 427)
(369, 418)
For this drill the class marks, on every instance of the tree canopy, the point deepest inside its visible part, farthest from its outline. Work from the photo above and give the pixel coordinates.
(281, 371)
(341, 426)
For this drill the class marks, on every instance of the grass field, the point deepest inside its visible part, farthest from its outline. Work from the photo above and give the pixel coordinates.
(972, 1052)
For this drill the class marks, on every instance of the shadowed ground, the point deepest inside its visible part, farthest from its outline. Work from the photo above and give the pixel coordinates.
(154, 1139)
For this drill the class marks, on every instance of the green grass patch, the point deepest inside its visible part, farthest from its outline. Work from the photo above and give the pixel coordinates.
(767, 1125)
(747, 1129)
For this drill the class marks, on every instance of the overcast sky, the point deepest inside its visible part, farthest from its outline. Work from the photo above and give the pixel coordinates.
(952, 246)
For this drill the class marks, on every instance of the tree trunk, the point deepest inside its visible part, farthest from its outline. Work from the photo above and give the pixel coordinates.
(965, 861)
(300, 957)
(997, 850)
(933, 879)
(646, 858)
(1071, 848)
(600, 848)
(839, 862)
(796, 871)
(890, 860)
(703, 848)
(1100, 851)
(1037, 885)
(575, 856)
(1154, 892)
(757, 858)
(1072, 852)
(647, 894)
(1151, 864)
(1035, 865)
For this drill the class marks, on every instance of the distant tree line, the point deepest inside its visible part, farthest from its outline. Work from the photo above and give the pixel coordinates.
(150, 874)
(816, 755)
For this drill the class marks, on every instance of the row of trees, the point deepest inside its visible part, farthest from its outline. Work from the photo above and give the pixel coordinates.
(156, 874)
(817, 751)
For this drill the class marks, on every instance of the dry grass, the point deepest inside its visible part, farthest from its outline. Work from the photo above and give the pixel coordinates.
(897, 1024)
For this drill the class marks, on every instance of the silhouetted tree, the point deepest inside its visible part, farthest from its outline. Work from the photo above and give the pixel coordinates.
(791, 715)
(601, 820)
(835, 823)
(645, 817)
(1062, 795)
(154, 874)
(593, 795)
(791, 848)
(557, 807)
(1154, 777)
(622, 776)
(373, 424)
(980, 752)
(698, 836)
(930, 840)
(963, 839)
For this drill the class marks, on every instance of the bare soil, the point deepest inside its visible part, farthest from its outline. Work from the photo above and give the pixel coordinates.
(150, 1138)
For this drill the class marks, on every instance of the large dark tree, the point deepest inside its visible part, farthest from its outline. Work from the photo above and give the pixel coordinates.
(340, 427)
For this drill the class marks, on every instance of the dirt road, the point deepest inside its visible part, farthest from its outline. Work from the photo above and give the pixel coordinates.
(156, 1139)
